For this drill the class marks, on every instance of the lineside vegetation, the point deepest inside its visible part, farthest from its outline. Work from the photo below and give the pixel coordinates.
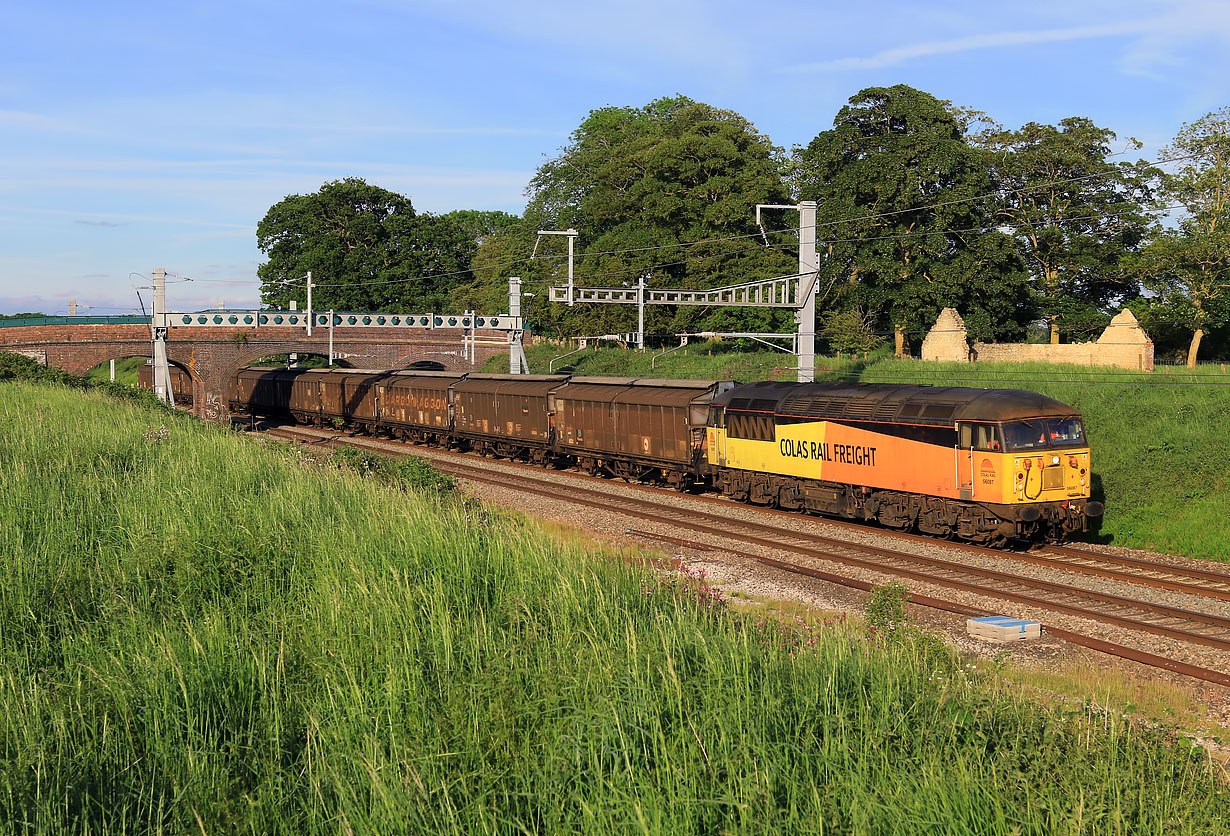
(201, 634)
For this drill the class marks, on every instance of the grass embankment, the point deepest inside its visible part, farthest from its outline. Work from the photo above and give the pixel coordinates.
(198, 634)
(126, 371)
(1161, 440)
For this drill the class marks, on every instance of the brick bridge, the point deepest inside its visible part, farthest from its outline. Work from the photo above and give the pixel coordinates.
(212, 355)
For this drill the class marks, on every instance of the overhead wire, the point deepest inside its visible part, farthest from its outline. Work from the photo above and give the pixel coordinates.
(862, 239)
(742, 236)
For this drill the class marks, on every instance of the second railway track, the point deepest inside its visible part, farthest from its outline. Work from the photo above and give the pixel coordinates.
(1182, 624)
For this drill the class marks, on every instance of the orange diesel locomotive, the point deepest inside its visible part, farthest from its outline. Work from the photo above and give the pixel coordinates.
(985, 465)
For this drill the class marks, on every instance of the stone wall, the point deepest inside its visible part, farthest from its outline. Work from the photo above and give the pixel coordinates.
(1124, 344)
(947, 340)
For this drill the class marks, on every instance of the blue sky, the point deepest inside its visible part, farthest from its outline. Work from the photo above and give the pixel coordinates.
(142, 135)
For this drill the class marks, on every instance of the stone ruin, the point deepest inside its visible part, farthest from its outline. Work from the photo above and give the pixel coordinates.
(1124, 344)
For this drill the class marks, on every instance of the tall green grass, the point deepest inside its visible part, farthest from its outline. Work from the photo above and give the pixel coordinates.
(1161, 439)
(200, 634)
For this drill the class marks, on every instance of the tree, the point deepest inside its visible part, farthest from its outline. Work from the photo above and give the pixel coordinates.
(366, 248)
(634, 180)
(897, 186)
(482, 224)
(849, 330)
(1074, 215)
(1188, 267)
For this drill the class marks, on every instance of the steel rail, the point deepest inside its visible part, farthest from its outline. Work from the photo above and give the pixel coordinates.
(672, 517)
(1123, 651)
(1147, 565)
(1100, 645)
(606, 502)
(1036, 557)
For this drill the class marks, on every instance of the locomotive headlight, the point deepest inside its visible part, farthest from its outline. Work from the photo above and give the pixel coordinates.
(1071, 461)
(1054, 459)
(1029, 463)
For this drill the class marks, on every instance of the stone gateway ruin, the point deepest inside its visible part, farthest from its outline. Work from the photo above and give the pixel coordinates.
(1124, 344)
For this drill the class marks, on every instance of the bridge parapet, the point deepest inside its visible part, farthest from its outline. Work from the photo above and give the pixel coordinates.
(277, 319)
(212, 353)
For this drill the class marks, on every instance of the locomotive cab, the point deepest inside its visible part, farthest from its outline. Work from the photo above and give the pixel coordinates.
(986, 465)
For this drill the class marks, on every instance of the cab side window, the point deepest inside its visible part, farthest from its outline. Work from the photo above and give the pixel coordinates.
(986, 437)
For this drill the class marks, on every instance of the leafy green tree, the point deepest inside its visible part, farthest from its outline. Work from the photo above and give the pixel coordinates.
(482, 224)
(849, 330)
(506, 252)
(903, 233)
(634, 179)
(1188, 267)
(1074, 215)
(366, 248)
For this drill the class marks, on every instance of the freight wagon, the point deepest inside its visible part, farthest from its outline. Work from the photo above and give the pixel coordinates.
(181, 382)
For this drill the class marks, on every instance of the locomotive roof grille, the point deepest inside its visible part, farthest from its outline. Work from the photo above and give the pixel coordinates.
(928, 405)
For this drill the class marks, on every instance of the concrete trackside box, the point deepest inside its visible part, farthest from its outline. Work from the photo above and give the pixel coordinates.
(1002, 628)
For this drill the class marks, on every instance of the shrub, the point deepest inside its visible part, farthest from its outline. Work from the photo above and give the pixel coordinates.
(415, 473)
(19, 367)
(885, 606)
(409, 473)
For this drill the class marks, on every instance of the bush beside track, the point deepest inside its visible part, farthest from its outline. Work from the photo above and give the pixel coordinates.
(1160, 440)
(19, 367)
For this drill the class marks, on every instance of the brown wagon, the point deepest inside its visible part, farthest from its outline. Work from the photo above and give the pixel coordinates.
(505, 415)
(181, 382)
(265, 391)
(417, 405)
(325, 395)
(650, 429)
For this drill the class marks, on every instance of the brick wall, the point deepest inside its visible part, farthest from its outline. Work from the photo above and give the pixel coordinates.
(213, 356)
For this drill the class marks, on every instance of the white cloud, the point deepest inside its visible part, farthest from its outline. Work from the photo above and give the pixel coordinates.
(114, 219)
(708, 33)
(384, 129)
(20, 120)
(1168, 43)
(903, 54)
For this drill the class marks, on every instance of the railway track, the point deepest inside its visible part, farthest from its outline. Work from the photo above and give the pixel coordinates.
(1133, 614)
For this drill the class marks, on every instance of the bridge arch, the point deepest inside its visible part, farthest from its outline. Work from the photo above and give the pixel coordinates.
(213, 356)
